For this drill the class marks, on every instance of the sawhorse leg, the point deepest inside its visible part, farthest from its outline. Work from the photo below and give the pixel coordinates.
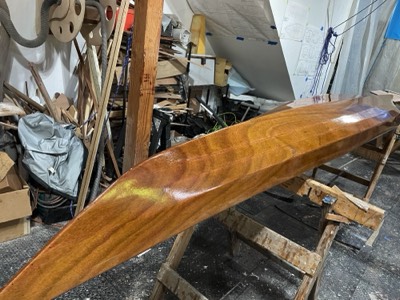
(381, 164)
(167, 277)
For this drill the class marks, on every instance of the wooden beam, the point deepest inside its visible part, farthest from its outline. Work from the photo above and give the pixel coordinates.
(45, 94)
(94, 145)
(173, 260)
(351, 208)
(177, 285)
(281, 247)
(323, 247)
(23, 97)
(147, 28)
(198, 31)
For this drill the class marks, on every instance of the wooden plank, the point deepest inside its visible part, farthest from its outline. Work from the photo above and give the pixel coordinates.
(379, 168)
(222, 67)
(147, 29)
(8, 126)
(336, 218)
(344, 174)
(8, 109)
(368, 215)
(281, 247)
(171, 68)
(198, 34)
(96, 92)
(323, 247)
(101, 114)
(177, 285)
(166, 81)
(173, 259)
(188, 183)
(370, 153)
(46, 97)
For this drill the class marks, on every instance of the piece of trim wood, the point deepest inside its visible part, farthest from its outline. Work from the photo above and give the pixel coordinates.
(147, 31)
(46, 97)
(171, 68)
(8, 126)
(356, 201)
(23, 97)
(101, 114)
(336, 218)
(95, 89)
(8, 109)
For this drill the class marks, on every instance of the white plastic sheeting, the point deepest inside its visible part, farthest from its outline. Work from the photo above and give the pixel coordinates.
(244, 32)
(385, 73)
(244, 19)
(361, 47)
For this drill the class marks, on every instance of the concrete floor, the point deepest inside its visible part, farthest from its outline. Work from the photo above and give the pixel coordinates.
(353, 270)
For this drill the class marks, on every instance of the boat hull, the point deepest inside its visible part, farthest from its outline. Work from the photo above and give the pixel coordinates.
(186, 184)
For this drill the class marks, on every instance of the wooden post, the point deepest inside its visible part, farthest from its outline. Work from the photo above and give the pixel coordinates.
(145, 46)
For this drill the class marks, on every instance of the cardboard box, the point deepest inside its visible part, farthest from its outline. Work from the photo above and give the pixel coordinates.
(10, 182)
(14, 211)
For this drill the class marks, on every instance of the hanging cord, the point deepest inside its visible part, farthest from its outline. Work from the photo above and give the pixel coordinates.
(326, 53)
(324, 58)
(372, 3)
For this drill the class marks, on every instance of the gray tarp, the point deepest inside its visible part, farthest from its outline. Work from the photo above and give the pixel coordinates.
(53, 154)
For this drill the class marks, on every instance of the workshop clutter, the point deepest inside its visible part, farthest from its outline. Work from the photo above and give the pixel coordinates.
(51, 142)
(15, 206)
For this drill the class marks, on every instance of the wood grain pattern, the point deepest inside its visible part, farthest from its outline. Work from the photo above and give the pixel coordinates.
(146, 31)
(186, 184)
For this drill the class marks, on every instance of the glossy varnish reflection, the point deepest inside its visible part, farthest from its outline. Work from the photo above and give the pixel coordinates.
(196, 180)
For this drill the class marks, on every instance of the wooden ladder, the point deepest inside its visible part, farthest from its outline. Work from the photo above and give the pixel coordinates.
(338, 207)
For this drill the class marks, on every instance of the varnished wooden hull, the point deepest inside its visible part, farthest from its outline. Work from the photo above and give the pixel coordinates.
(194, 181)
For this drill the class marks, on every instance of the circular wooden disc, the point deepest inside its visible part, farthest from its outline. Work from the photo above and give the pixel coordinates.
(91, 33)
(66, 28)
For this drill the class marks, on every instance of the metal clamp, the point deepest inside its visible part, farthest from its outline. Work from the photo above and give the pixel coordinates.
(328, 199)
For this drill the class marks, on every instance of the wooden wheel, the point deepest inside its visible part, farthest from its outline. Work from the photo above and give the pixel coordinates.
(66, 20)
(92, 33)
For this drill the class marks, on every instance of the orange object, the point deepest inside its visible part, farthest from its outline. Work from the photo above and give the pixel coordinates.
(130, 17)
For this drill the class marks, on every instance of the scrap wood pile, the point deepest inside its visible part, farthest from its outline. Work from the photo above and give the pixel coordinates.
(68, 125)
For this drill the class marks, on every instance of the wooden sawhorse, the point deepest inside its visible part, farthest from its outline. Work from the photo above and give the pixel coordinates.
(378, 154)
(338, 207)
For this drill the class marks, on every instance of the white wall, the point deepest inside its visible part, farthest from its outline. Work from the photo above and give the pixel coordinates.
(283, 71)
(55, 61)
(317, 18)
